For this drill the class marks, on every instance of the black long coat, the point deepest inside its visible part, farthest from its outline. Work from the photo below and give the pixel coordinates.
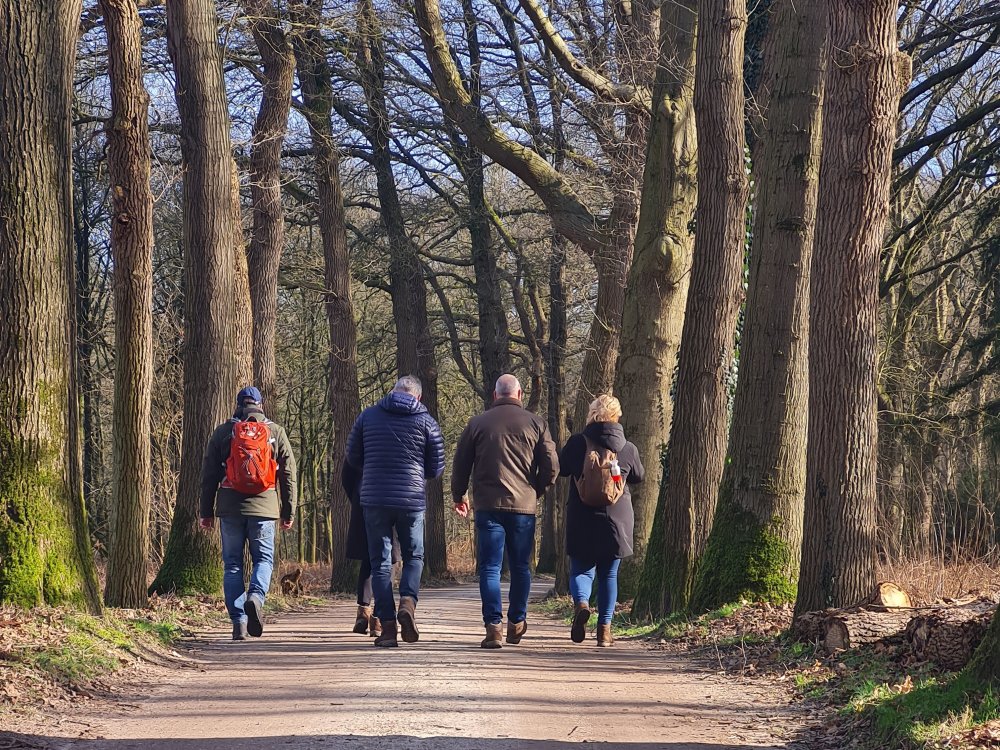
(357, 536)
(600, 534)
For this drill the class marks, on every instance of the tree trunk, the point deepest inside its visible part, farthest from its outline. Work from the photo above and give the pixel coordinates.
(45, 553)
(211, 237)
(653, 315)
(985, 664)
(315, 82)
(846, 630)
(698, 437)
(414, 343)
(553, 543)
(863, 87)
(949, 637)
(755, 546)
(268, 234)
(132, 247)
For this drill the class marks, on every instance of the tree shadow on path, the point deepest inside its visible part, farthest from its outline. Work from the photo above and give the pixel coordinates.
(14, 741)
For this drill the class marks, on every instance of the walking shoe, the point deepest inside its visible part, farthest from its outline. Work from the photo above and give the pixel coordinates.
(604, 637)
(239, 631)
(516, 631)
(363, 620)
(493, 637)
(374, 627)
(254, 607)
(407, 624)
(387, 638)
(580, 619)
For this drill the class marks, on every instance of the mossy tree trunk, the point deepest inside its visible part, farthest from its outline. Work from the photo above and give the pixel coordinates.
(45, 554)
(414, 343)
(699, 432)
(863, 84)
(754, 548)
(653, 316)
(315, 80)
(212, 238)
(985, 664)
(132, 247)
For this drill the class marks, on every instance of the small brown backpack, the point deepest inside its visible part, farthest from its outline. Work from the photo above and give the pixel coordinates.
(596, 486)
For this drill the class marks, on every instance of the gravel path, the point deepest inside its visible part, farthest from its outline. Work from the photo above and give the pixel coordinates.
(310, 683)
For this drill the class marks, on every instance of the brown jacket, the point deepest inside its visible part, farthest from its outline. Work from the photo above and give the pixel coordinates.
(510, 457)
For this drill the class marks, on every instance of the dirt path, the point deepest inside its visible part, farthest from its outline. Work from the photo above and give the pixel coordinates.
(310, 683)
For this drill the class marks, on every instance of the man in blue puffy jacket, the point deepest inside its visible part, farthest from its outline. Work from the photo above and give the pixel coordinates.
(398, 446)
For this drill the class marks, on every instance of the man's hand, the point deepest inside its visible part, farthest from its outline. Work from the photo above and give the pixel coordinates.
(462, 508)
(207, 523)
(286, 525)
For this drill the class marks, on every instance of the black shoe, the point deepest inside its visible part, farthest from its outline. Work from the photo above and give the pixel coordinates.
(239, 631)
(254, 607)
(580, 619)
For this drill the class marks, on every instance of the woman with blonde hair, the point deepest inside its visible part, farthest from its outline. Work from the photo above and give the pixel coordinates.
(599, 516)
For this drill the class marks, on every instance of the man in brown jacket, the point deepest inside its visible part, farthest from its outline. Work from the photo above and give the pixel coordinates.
(511, 460)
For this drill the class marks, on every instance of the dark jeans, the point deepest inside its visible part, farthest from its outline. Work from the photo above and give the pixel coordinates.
(409, 526)
(516, 532)
(236, 532)
(581, 584)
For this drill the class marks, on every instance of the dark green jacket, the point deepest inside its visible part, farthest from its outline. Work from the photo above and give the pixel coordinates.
(224, 501)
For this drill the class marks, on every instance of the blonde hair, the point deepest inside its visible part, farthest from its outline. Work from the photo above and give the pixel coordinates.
(604, 408)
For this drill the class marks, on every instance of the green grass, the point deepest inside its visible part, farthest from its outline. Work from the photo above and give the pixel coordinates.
(927, 710)
(674, 626)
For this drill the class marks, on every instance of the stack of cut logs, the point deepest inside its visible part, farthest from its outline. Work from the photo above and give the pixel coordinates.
(945, 633)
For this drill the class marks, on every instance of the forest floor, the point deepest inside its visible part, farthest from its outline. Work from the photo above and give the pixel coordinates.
(310, 683)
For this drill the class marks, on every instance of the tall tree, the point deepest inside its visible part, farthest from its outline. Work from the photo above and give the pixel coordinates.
(132, 249)
(211, 239)
(317, 96)
(414, 342)
(697, 449)
(653, 315)
(44, 546)
(756, 540)
(268, 228)
(864, 80)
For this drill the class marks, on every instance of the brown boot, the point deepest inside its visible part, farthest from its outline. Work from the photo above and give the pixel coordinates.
(580, 619)
(374, 627)
(406, 617)
(363, 619)
(516, 631)
(493, 637)
(604, 637)
(387, 638)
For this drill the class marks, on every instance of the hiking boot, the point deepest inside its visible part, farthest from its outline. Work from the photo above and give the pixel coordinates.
(405, 615)
(363, 619)
(374, 627)
(254, 607)
(387, 638)
(580, 619)
(239, 631)
(494, 634)
(604, 637)
(516, 631)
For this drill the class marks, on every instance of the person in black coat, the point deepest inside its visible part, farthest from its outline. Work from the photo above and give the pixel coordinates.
(357, 549)
(598, 539)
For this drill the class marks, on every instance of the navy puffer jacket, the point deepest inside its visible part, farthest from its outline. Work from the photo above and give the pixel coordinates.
(398, 446)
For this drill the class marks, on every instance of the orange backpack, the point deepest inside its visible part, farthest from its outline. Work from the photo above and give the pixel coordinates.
(251, 468)
(596, 486)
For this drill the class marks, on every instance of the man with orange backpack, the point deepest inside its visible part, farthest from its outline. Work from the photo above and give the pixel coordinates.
(248, 481)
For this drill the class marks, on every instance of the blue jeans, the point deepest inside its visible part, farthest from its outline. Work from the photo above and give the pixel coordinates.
(516, 532)
(581, 583)
(409, 525)
(236, 532)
